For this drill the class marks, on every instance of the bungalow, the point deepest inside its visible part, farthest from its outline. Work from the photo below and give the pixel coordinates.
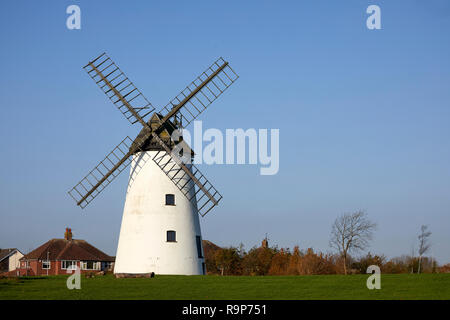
(61, 256)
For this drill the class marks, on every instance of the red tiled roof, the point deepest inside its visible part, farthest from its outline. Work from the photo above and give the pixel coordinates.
(62, 249)
(209, 248)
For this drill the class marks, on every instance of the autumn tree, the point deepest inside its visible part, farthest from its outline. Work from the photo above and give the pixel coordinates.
(364, 262)
(351, 232)
(280, 262)
(258, 260)
(228, 261)
(294, 262)
(315, 263)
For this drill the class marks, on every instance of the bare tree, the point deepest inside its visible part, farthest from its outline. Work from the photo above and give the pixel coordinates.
(351, 232)
(424, 244)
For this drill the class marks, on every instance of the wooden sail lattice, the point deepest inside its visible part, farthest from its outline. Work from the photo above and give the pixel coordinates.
(94, 182)
(204, 97)
(186, 106)
(118, 88)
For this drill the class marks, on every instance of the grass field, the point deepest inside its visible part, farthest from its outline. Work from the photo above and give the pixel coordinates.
(402, 286)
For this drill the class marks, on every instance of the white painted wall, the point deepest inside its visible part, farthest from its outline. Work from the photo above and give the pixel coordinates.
(142, 244)
(14, 260)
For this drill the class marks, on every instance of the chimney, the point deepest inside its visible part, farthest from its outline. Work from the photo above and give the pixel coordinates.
(265, 243)
(68, 234)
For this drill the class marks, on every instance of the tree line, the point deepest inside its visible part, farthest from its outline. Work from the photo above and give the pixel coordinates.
(350, 234)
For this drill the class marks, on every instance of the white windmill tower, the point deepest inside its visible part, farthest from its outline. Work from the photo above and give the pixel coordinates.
(160, 229)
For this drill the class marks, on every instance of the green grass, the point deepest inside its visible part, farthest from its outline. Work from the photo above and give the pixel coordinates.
(402, 286)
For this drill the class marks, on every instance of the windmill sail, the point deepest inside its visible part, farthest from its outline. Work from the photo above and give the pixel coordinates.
(103, 174)
(200, 93)
(119, 89)
(187, 105)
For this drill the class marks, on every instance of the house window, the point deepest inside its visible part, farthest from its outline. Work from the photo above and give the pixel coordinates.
(90, 265)
(68, 265)
(171, 236)
(106, 265)
(170, 199)
(198, 239)
(46, 265)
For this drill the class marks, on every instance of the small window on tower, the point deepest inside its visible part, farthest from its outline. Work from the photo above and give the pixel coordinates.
(171, 236)
(170, 199)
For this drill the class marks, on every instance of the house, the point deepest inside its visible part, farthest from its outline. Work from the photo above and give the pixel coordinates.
(9, 259)
(62, 256)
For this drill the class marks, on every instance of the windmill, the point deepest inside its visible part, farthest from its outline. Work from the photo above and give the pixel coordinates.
(160, 229)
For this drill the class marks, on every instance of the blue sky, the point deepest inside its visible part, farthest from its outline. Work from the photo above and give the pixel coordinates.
(363, 115)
